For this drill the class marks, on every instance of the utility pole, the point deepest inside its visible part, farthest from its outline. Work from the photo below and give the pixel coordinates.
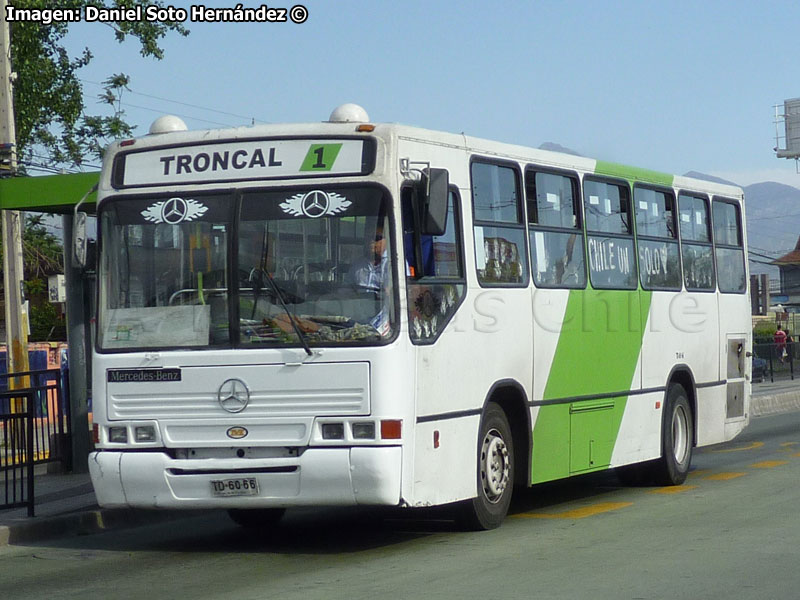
(16, 316)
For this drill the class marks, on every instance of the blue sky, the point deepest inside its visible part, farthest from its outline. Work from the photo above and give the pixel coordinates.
(672, 86)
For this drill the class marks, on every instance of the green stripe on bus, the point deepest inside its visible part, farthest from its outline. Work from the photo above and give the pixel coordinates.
(320, 157)
(597, 353)
(633, 173)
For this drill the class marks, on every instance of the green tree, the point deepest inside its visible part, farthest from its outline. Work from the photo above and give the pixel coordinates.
(42, 256)
(53, 126)
(48, 96)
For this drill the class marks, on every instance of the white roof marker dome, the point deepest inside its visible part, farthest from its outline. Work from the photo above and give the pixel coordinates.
(349, 113)
(168, 124)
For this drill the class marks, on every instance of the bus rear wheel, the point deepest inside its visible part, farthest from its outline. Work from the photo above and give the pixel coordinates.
(677, 438)
(256, 518)
(495, 473)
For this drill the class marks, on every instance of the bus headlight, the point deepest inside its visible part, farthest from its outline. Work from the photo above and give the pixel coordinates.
(145, 433)
(364, 431)
(333, 431)
(118, 435)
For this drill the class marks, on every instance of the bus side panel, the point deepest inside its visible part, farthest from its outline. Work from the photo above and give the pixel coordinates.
(587, 384)
(735, 326)
(551, 439)
(490, 341)
(694, 318)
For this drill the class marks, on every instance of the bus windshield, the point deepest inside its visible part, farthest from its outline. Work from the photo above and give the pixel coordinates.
(253, 269)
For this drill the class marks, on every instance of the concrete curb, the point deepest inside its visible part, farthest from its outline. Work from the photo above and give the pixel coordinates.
(772, 404)
(85, 523)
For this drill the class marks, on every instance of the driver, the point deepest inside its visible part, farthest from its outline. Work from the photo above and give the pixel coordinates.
(371, 271)
(372, 274)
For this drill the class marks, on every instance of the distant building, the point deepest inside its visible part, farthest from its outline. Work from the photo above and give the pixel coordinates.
(789, 267)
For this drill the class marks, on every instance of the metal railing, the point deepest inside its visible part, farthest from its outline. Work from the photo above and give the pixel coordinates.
(49, 413)
(780, 359)
(17, 449)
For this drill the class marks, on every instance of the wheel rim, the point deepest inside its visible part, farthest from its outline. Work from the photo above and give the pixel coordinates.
(495, 467)
(680, 434)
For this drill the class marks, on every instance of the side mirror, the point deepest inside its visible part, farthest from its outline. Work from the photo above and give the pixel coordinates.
(79, 244)
(434, 201)
(79, 240)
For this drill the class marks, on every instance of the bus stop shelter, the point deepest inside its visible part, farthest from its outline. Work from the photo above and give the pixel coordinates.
(59, 194)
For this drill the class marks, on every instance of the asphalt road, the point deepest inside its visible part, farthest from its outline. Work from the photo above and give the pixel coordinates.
(731, 532)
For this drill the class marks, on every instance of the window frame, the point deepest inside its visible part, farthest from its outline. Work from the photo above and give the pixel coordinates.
(740, 231)
(240, 194)
(579, 229)
(656, 238)
(520, 225)
(430, 280)
(709, 244)
(459, 222)
(624, 185)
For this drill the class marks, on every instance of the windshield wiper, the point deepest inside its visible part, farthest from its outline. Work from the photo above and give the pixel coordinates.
(277, 291)
(262, 271)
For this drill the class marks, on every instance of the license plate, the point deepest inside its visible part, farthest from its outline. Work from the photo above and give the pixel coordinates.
(246, 486)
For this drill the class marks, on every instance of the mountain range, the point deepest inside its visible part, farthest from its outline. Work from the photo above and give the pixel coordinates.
(773, 220)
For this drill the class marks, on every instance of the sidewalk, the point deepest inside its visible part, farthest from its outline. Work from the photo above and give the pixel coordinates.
(66, 504)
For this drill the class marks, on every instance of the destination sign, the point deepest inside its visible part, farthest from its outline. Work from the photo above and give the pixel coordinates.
(243, 160)
(143, 375)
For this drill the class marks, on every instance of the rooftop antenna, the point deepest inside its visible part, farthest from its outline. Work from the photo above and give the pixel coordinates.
(790, 119)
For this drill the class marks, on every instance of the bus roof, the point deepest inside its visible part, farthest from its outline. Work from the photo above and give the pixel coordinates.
(391, 132)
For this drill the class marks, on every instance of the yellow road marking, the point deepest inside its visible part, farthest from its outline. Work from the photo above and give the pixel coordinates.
(769, 464)
(673, 489)
(752, 446)
(578, 513)
(796, 454)
(724, 476)
(699, 472)
(785, 444)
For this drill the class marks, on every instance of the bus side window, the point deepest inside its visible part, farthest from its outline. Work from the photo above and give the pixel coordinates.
(423, 264)
(556, 237)
(729, 252)
(435, 271)
(696, 247)
(501, 254)
(612, 262)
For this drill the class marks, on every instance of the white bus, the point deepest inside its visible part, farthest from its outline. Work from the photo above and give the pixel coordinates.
(349, 313)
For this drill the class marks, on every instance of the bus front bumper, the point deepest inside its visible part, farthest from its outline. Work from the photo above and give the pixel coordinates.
(318, 477)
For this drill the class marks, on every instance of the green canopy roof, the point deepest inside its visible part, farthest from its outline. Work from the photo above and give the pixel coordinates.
(50, 194)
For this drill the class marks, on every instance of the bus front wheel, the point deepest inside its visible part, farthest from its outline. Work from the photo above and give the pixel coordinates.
(677, 438)
(495, 473)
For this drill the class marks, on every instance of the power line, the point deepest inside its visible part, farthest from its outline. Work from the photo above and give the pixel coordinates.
(772, 217)
(155, 110)
(750, 247)
(206, 108)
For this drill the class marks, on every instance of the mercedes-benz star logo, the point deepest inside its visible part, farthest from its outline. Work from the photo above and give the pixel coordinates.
(174, 211)
(315, 204)
(233, 395)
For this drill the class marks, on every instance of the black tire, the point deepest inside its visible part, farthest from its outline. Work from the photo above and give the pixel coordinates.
(494, 473)
(677, 439)
(256, 518)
